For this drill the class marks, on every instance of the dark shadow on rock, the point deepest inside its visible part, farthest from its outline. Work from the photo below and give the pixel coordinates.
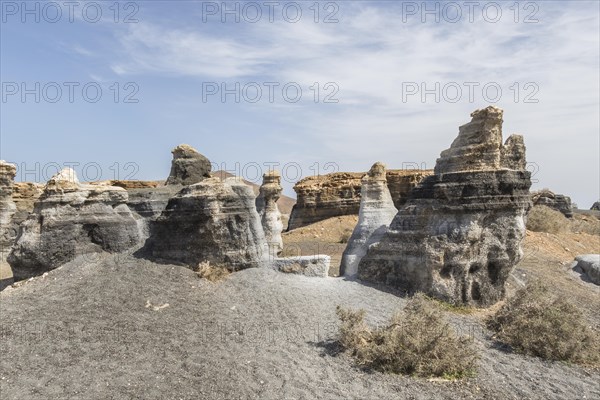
(582, 275)
(381, 287)
(4, 283)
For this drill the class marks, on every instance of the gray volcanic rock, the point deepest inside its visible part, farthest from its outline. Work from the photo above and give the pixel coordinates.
(270, 217)
(550, 199)
(146, 199)
(315, 266)
(8, 226)
(213, 221)
(332, 195)
(70, 219)
(7, 206)
(589, 264)
(188, 166)
(459, 235)
(375, 215)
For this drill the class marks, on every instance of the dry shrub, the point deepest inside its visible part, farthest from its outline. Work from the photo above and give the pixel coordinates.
(345, 236)
(538, 322)
(213, 273)
(586, 224)
(415, 342)
(546, 219)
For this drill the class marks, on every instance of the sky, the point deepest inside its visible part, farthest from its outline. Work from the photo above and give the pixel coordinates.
(306, 87)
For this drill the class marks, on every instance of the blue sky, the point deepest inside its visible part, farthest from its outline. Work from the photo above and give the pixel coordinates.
(375, 60)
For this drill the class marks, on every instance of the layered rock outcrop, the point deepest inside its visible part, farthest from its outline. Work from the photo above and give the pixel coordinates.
(337, 194)
(401, 182)
(8, 226)
(376, 212)
(268, 211)
(459, 234)
(214, 221)
(7, 207)
(70, 219)
(188, 166)
(550, 199)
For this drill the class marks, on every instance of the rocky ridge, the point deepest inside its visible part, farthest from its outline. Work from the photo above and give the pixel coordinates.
(337, 194)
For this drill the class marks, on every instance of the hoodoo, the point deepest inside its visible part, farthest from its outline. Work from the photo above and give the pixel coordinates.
(459, 234)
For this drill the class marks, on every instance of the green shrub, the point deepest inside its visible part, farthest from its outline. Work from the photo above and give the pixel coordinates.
(538, 322)
(415, 342)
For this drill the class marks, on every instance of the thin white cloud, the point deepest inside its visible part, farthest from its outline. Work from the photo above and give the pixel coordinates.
(370, 53)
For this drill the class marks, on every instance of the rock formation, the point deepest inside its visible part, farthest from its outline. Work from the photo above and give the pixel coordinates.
(214, 221)
(375, 215)
(558, 202)
(8, 227)
(7, 206)
(270, 217)
(595, 206)
(336, 194)
(401, 182)
(188, 166)
(459, 234)
(313, 266)
(71, 219)
(588, 264)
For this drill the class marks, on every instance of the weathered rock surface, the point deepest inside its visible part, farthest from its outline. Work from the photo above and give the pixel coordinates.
(214, 221)
(312, 266)
(589, 264)
(376, 212)
(336, 194)
(459, 234)
(401, 182)
(8, 227)
(270, 217)
(25, 194)
(595, 206)
(550, 199)
(7, 206)
(146, 199)
(188, 166)
(130, 184)
(71, 219)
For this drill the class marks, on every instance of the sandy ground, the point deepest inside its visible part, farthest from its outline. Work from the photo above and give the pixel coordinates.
(123, 328)
(117, 327)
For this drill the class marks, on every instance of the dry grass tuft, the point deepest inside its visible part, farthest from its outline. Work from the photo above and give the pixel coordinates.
(345, 236)
(537, 322)
(213, 273)
(546, 219)
(415, 342)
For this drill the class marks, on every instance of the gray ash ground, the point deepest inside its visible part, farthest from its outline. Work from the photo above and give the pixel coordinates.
(102, 329)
